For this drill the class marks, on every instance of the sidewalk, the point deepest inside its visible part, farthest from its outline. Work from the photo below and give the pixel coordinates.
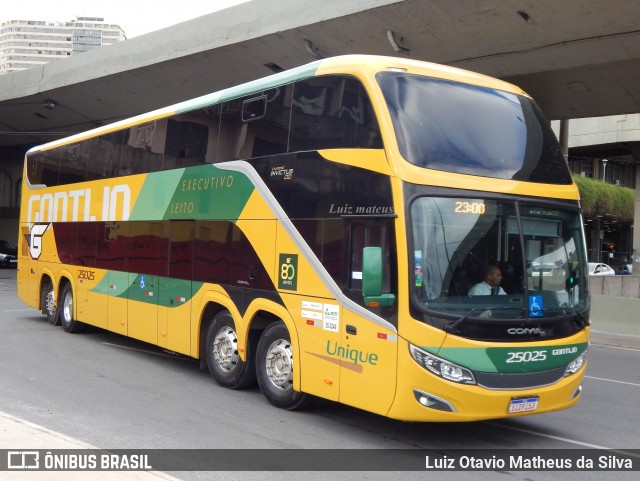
(16, 434)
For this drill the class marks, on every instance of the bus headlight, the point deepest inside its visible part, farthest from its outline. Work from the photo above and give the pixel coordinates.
(575, 365)
(438, 366)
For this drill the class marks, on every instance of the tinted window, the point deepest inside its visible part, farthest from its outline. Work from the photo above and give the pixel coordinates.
(104, 155)
(181, 249)
(143, 151)
(111, 248)
(191, 138)
(43, 168)
(211, 252)
(86, 243)
(148, 248)
(73, 164)
(450, 126)
(255, 125)
(332, 112)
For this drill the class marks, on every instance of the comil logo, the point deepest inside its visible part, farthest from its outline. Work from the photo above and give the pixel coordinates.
(288, 278)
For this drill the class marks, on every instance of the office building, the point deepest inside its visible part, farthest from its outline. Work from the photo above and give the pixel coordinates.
(29, 43)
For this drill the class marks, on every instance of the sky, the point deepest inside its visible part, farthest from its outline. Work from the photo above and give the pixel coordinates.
(135, 17)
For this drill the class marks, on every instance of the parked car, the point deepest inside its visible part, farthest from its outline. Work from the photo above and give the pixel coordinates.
(600, 269)
(625, 270)
(8, 254)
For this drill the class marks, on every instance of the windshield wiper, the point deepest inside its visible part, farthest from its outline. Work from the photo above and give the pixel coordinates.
(581, 320)
(451, 326)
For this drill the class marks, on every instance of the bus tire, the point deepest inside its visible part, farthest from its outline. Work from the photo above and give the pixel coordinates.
(274, 368)
(48, 303)
(223, 359)
(69, 324)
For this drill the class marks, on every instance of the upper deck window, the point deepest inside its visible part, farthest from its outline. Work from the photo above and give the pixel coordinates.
(467, 129)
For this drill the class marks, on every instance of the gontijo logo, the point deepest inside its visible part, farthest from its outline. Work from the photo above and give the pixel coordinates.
(74, 205)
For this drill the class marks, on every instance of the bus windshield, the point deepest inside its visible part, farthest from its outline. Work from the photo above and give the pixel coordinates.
(537, 250)
(456, 127)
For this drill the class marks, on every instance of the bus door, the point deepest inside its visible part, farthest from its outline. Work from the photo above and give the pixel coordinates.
(147, 254)
(175, 291)
(369, 348)
(91, 302)
(111, 254)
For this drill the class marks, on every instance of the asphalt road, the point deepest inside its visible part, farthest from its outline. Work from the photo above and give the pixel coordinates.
(117, 393)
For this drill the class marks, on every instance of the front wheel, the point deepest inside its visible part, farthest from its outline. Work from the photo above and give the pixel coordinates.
(69, 324)
(274, 368)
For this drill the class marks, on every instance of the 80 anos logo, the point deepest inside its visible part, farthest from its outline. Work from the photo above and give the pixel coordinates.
(288, 278)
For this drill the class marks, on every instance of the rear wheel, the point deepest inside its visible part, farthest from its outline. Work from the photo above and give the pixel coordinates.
(69, 324)
(48, 303)
(274, 368)
(223, 357)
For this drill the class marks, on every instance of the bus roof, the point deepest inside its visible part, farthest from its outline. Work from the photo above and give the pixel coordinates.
(346, 64)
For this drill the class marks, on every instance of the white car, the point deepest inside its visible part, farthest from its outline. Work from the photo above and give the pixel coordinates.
(600, 269)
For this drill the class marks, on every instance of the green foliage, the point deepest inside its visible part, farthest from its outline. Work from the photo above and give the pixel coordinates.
(600, 198)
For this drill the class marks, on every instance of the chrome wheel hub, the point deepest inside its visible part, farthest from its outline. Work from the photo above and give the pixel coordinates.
(225, 349)
(67, 308)
(50, 304)
(279, 364)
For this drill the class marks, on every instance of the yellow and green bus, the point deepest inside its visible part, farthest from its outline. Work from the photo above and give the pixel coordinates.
(319, 232)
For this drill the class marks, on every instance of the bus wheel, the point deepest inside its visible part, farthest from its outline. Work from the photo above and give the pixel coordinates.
(223, 360)
(275, 369)
(69, 324)
(48, 303)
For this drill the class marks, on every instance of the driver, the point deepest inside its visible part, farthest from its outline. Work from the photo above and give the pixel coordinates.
(490, 286)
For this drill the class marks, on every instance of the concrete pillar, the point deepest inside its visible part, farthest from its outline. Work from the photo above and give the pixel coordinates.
(564, 138)
(11, 163)
(595, 241)
(636, 227)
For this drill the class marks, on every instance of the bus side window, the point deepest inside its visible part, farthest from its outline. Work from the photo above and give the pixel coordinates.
(39, 168)
(191, 138)
(212, 252)
(73, 167)
(256, 125)
(143, 151)
(332, 112)
(104, 155)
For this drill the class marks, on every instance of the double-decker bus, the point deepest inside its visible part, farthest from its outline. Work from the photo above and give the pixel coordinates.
(319, 232)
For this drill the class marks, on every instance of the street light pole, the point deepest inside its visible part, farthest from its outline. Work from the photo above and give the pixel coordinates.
(604, 169)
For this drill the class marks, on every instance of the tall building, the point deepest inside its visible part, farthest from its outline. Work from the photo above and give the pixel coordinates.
(29, 43)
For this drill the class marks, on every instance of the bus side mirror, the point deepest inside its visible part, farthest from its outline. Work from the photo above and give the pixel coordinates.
(372, 279)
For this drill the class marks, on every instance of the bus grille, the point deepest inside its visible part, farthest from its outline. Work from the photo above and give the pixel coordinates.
(520, 380)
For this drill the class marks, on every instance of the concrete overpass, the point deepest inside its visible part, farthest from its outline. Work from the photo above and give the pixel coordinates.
(578, 58)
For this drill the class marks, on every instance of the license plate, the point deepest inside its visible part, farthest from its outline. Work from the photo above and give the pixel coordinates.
(522, 405)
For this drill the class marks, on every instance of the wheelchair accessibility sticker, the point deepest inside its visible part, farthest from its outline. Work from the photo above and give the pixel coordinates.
(535, 306)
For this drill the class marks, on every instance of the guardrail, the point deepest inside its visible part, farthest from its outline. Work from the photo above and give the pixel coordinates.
(615, 286)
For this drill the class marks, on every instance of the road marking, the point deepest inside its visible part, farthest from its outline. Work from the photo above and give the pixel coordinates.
(616, 347)
(550, 436)
(566, 440)
(613, 380)
(615, 333)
